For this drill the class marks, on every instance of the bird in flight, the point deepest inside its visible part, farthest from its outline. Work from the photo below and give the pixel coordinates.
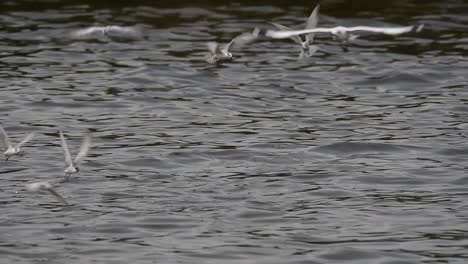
(343, 34)
(72, 165)
(107, 31)
(45, 187)
(307, 48)
(220, 53)
(11, 149)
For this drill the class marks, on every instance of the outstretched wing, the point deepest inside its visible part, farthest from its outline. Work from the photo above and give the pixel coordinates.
(212, 47)
(280, 34)
(68, 159)
(383, 30)
(84, 149)
(312, 23)
(335, 30)
(124, 32)
(26, 139)
(57, 196)
(296, 39)
(86, 32)
(45, 186)
(5, 139)
(241, 40)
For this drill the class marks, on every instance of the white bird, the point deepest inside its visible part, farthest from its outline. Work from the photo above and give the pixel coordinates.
(45, 186)
(9, 148)
(307, 48)
(342, 33)
(107, 31)
(72, 165)
(220, 53)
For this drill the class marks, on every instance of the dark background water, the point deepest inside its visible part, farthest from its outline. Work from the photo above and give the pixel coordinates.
(355, 157)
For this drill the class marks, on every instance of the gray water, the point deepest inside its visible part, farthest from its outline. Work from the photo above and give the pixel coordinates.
(345, 157)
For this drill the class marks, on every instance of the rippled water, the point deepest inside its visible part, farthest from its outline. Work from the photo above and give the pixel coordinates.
(356, 157)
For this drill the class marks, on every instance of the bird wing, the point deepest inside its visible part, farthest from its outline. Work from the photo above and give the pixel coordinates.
(312, 22)
(289, 33)
(5, 139)
(57, 196)
(45, 186)
(127, 30)
(384, 30)
(86, 32)
(83, 149)
(212, 47)
(118, 28)
(68, 159)
(26, 139)
(35, 187)
(419, 28)
(124, 32)
(296, 38)
(225, 49)
(242, 39)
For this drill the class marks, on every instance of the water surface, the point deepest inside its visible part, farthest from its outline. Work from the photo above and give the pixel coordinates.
(356, 157)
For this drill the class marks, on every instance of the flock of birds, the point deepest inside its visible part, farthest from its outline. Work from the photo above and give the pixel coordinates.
(220, 53)
(71, 165)
(344, 35)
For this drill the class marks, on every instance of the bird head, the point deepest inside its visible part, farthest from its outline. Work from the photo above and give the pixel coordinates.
(8, 153)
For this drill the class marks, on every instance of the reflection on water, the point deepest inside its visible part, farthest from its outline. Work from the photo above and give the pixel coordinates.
(354, 156)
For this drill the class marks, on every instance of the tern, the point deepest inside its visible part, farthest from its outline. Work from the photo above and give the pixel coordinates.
(307, 48)
(45, 186)
(220, 53)
(106, 31)
(343, 33)
(72, 165)
(9, 148)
